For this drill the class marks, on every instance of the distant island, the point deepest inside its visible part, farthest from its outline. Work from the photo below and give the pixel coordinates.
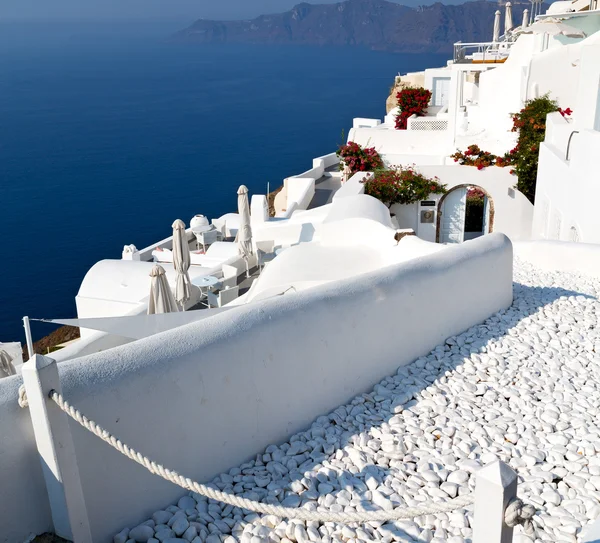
(375, 24)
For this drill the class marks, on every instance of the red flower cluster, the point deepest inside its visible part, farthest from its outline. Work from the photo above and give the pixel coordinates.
(359, 159)
(475, 193)
(411, 101)
(474, 156)
(565, 112)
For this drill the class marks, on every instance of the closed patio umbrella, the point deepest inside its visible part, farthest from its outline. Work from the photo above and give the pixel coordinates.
(6, 366)
(508, 21)
(181, 262)
(244, 235)
(554, 27)
(496, 35)
(525, 22)
(161, 298)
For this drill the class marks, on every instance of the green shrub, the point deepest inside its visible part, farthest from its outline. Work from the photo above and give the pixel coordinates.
(401, 186)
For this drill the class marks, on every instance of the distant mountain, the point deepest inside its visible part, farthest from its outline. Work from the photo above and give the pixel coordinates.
(376, 24)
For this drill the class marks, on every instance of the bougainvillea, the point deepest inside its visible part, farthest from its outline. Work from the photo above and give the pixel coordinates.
(359, 159)
(401, 186)
(411, 101)
(530, 123)
(474, 156)
(474, 209)
(475, 193)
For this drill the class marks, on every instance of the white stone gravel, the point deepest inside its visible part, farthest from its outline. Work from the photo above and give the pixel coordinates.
(522, 387)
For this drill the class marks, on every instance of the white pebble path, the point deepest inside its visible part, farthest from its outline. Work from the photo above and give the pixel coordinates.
(522, 387)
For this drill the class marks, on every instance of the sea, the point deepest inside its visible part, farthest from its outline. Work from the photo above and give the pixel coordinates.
(111, 131)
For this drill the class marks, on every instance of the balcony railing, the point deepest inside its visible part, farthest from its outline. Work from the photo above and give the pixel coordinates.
(481, 53)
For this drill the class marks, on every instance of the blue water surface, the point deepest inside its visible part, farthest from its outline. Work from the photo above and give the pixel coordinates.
(109, 132)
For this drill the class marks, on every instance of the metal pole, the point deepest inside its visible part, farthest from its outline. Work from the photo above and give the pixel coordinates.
(28, 339)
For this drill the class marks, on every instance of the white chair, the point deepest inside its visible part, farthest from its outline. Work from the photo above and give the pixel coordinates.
(265, 252)
(223, 297)
(206, 237)
(230, 276)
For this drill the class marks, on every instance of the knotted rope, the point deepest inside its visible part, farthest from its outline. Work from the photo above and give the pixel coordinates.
(517, 513)
(23, 401)
(251, 505)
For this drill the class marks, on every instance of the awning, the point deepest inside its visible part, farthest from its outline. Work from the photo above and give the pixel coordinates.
(139, 326)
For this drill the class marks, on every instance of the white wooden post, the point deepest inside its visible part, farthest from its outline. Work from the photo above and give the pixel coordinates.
(495, 486)
(56, 450)
(28, 339)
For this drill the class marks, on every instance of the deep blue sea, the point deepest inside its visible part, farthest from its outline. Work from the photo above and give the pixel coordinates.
(109, 132)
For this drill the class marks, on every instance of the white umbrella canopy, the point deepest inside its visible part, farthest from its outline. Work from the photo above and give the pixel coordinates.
(525, 22)
(161, 298)
(244, 235)
(496, 35)
(554, 27)
(508, 20)
(181, 262)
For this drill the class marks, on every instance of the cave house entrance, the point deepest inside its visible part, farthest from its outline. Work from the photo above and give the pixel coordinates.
(465, 212)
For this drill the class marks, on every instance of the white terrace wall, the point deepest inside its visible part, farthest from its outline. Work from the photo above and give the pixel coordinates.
(414, 144)
(208, 396)
(299, 189)
(24, 509)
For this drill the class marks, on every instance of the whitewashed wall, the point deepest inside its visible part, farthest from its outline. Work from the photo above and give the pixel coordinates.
(414, 143)
(24, 509)
(502, 90)
(300, 191)
(208, 396)
(567, 192)
(513, 212)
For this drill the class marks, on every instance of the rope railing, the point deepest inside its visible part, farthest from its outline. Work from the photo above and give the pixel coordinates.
(251, 505)
(515, 513)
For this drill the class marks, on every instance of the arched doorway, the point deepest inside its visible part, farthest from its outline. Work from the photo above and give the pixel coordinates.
(465, 212)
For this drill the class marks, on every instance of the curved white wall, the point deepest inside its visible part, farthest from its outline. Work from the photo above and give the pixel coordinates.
(210, 395)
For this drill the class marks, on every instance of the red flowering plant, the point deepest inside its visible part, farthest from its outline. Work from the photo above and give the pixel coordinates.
(565, 112)
(475, 194)
(411, 101)
(401, 186)
(530, 123)
(474, 156)
(359, 159)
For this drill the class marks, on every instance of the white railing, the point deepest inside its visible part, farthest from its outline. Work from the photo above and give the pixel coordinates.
(426, 123)
(481, 52)
(497, 508)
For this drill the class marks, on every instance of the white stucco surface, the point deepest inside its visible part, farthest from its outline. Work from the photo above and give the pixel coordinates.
(567, 187)
(25, 509)
(221, 388)
(417, 143)
(359, 206)
(311, 264)
(561, 256)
